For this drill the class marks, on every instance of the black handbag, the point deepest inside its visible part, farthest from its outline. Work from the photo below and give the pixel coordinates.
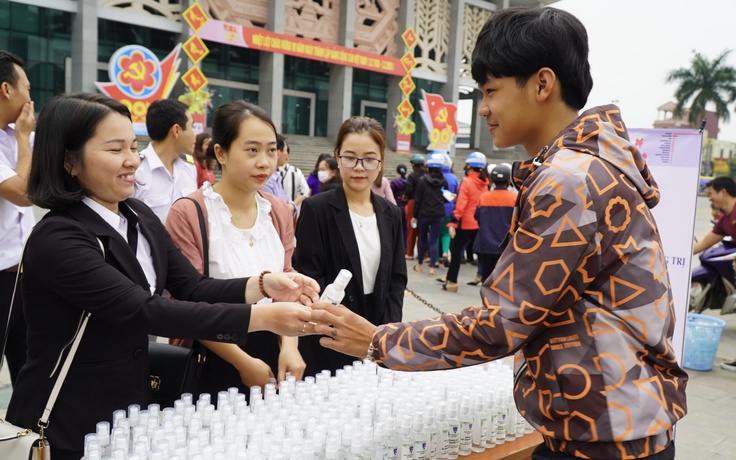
(175, 369)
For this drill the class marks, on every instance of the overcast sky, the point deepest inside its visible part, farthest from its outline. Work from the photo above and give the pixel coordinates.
(634, 44)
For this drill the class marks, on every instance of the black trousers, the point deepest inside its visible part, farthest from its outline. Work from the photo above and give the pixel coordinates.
(487, 263)
(543, 453)
(462, 237)
(15, 350)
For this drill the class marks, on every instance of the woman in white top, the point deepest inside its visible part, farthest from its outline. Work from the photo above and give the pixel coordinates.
(352, 228)
(247, 231)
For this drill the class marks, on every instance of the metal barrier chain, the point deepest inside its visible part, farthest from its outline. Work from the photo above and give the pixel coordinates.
(429, 305)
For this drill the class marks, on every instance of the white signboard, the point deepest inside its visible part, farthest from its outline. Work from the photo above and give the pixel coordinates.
(673, 156)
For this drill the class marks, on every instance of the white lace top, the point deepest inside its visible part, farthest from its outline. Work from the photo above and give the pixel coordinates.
(236, 252)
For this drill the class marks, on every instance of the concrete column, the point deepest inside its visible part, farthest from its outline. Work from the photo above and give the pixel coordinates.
(84, 46)
(405, 20)
(271, 69)
(339, 105)
(450, 90)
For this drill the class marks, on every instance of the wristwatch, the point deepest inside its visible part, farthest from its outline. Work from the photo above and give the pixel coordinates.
(369, 354)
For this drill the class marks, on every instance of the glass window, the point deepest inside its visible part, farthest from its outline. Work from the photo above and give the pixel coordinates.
(223, 94)
(114, 35)
(297, 112)
(42, 37)
(231, 63)
(368, 86)
(4, 16)
(312, 77)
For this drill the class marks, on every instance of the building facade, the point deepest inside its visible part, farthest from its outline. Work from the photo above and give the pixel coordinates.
(67, 45)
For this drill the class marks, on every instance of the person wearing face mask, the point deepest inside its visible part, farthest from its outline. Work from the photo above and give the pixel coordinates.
(328, 175)
(352, 228)
(313, 178)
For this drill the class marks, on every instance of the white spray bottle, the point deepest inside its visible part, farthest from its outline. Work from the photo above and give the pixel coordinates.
(334, 292)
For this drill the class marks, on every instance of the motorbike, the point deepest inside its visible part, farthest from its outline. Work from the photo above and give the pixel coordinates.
(713, 283)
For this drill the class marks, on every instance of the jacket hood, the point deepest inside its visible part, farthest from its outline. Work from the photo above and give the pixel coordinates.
(600, 132)
(474, 176)
(434, 181)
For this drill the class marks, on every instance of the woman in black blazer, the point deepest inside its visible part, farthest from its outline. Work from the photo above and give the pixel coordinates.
(83, 167)
(352, 228)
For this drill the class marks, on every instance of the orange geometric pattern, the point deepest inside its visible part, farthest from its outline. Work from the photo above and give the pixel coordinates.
(582, 292)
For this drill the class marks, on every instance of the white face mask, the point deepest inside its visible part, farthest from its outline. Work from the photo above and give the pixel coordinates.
(323, 176)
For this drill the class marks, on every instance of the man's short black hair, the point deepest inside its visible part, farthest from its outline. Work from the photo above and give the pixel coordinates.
(517, 42)
(723, 183)
(162, 115)
(280, 142)
(8, 61)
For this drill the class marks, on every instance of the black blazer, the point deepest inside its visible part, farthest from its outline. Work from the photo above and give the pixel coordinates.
(65, 273)
(326, 244)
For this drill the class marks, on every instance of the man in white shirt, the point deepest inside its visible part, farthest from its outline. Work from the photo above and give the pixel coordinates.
(292, 178)
(16, 215)
(167, 170)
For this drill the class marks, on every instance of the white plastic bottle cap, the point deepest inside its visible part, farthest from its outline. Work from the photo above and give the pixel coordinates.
(343, 278)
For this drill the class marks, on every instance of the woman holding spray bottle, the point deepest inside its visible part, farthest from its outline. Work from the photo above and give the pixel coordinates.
(351, 228)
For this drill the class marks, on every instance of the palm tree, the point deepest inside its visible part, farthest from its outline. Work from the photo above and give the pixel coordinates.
(705, 81)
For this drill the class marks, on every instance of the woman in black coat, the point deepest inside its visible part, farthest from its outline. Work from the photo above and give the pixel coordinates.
(99, 251)
(352, 228)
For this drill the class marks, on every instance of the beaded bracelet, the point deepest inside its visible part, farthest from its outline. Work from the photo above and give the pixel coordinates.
(260, 282)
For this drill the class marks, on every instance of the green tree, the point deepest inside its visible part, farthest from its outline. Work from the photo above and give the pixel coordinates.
(703, 82)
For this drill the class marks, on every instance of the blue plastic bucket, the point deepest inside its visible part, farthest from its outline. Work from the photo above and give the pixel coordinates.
(702, 335)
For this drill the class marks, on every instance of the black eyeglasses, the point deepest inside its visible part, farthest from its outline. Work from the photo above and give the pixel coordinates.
(369, 164)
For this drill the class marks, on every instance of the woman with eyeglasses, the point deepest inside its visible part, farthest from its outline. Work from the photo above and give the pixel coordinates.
(352, 228)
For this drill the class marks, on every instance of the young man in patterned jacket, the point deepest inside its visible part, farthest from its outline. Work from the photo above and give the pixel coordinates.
(581, 290)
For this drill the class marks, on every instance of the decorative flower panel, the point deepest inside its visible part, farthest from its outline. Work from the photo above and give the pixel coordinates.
(250, 13)
(432, 26)
(313, 19)
(376, 26)
(475, 18)
(169, 9)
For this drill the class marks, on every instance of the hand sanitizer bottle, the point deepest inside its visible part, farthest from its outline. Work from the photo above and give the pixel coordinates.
(466, 426)
(407, 440)
(420, 437)
(443, 433)
(453, 430)
(393, 441)
(334, 292)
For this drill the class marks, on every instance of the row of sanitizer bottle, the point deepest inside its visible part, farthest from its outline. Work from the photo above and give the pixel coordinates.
(363, 412)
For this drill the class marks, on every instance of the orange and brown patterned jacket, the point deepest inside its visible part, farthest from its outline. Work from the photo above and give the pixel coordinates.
(582, 291)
